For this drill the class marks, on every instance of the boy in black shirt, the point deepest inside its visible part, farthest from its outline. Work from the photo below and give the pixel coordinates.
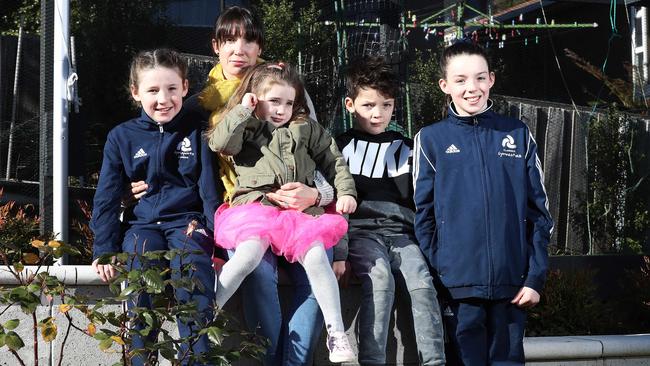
(381, 234)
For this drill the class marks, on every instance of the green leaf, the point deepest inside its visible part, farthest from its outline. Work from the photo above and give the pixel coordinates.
(215, 335)
(2, 339)
(100, 336)
(122, 257)
(134, 275)
(18, 267)
(13, 341)
(168, 353)
(155, 254)
(33, 287)
(105, 344)
(105, 258)
(148, 318)
(128, 290)
(153, 280)
(11, 324)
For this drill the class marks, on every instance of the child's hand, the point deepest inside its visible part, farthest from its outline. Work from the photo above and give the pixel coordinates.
(294, 195)
(105, 271)
(133, 192)
(526, 298)
(346, 205)
(249, 100)
(342, 272)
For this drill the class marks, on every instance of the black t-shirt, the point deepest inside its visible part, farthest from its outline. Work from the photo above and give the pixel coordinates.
(381, 167)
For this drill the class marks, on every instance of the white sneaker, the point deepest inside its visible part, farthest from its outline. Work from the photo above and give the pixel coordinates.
(339, 347)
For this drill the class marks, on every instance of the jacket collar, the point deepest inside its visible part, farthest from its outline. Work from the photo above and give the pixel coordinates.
(454, 116)
(149, 123)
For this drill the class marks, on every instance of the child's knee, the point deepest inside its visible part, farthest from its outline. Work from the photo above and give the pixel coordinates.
(381, 276)
(314, 255)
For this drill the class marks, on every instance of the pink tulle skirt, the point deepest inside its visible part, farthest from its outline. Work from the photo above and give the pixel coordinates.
(290, 232)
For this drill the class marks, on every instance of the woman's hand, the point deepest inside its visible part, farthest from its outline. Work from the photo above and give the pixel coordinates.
(249, 100)
(134, 193)
(294, 195)
(105, 271)
(346, 204)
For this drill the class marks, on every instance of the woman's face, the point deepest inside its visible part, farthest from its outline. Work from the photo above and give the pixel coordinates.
(236, 55)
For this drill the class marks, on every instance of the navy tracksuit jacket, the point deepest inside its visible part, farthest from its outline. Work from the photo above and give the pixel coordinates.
(172, 159)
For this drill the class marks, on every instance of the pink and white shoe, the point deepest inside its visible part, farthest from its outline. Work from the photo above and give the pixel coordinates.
(339, 347)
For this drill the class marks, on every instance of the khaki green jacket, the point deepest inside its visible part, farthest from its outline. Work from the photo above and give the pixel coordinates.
(266, 157)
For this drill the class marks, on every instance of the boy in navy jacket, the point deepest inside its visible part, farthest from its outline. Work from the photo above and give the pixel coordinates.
(482, 216)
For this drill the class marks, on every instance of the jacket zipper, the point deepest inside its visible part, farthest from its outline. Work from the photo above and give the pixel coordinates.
(486, 203)
(284, 165)
(159, 166)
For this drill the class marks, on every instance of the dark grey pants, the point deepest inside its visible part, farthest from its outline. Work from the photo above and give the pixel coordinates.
(374, 258)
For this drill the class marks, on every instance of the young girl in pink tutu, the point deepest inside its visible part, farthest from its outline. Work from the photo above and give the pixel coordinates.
(269, 139)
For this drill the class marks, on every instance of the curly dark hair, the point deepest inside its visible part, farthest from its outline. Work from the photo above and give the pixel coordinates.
(371, 72)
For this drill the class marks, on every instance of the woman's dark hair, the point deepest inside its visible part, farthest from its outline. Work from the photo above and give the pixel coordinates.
(239, 22)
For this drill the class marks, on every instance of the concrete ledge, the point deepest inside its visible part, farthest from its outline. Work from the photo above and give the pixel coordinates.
(606, 350)
(69, 275)
(587, 347)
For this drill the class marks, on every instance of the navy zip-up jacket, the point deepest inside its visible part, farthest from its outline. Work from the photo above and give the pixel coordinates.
(482, 217)
(176, 163)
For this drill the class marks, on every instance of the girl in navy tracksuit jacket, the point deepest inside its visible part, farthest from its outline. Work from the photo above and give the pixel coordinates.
(163, 147)
(482, 216)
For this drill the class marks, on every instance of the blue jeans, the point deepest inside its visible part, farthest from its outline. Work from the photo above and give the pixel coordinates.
(375, 259)
(167, 236)
(292, 339)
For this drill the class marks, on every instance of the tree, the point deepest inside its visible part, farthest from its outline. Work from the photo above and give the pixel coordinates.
(427, 100)
(27, 11)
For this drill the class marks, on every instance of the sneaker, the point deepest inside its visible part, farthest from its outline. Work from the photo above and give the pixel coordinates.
(339, 347)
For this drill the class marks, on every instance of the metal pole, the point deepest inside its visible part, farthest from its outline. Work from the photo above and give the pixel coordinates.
(60, 119)
(14, 104)
(45, 123)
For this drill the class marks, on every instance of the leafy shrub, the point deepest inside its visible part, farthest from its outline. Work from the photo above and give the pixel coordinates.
(112, 329)
(19, 225)
(569, 306)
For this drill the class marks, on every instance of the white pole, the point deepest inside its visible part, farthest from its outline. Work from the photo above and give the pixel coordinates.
(14, 104)
(60, 120)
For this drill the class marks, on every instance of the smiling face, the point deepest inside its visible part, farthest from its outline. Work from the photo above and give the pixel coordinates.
(236, 55)
(372, 110)
(160, 91)
(468, 81)
(276, 104)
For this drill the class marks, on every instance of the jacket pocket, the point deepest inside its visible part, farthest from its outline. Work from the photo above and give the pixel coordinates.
(256, 181)
(439, 243)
